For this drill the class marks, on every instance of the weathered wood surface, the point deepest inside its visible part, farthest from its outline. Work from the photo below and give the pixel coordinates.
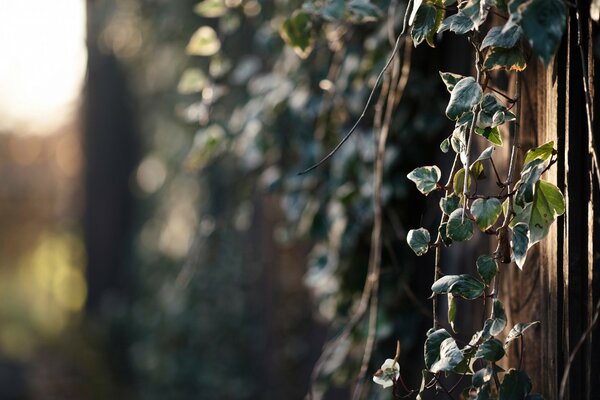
(559, 283)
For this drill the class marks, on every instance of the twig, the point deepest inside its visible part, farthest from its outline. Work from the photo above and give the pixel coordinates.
(364, 111)
(584, 337)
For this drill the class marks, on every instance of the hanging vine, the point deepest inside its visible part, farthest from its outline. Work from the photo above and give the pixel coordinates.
(518, 214)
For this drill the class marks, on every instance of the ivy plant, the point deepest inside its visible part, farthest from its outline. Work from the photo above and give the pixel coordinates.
(518, 215)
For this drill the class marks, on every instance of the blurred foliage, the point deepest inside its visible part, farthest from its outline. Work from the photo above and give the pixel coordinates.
(200, 318)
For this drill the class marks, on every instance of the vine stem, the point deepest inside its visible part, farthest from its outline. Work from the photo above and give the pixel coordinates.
(365, 108)
(476, 111)
(437, 270)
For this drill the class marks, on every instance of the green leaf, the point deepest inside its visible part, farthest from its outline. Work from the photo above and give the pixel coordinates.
(364, 11)
(450, 357)
(502, 36)
(517, 331)
(490, 105)
(459, 180)
(192, 81)
(432, 346)
(449, 203)
(491, 134)
(457, 23)
(424, 23)
(426, 178)
(519, 243)
(445, 145)
(515, 386)
(547, 203)
(499, 318)
(542, 152)
(465, 95)
(487, 268)
(509, 59)
(529, 177)
(418, 240)
(451, 310)
(297, 32)
(444, 234)
(211, 8)
(416, 4)
(543, 23)
(464, 286)
(439, 17)
(482, 376)
(486, 212)
(333, 10)
(460, 227)
(490, 350)
(450, 79)
(486, 154)
(204, 42)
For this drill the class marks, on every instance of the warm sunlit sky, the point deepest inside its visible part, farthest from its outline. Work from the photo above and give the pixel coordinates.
(42, 63)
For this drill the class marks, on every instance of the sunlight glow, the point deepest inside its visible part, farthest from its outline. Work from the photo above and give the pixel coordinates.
(43, 63)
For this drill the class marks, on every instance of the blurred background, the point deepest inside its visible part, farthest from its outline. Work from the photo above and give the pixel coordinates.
(156, 240)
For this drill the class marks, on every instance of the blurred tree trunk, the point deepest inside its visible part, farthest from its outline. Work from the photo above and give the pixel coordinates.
(109, 145)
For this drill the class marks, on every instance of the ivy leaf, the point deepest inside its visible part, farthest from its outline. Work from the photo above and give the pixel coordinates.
(490, 350)
(465, 95)
(490, 105)
(333, 10)
(544, 22)
(502, 36)
(482, 376)
(418, 240)
(517, 331)
(432, 345)
(445, 145)
(549, 203)
(457, 23)
(440, 13)
(460, 227)
(364, 11)
(450, 79)
(426, 178)
(486, 212)
(515, 386)
(424, 23)
(449, 203)
(499, 318)
(451, 310)
(464, 286)
(450, 357)
(444, 234)
(210, 8)
(459, 180)
(542, 152)
(520, 243)
(416, 4)
(486, 154)
(297, 32)
(509, 59)
(529, 177)
(491, 134)
(487, 268)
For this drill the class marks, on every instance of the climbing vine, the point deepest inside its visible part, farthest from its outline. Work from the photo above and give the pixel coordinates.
(518, 213)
